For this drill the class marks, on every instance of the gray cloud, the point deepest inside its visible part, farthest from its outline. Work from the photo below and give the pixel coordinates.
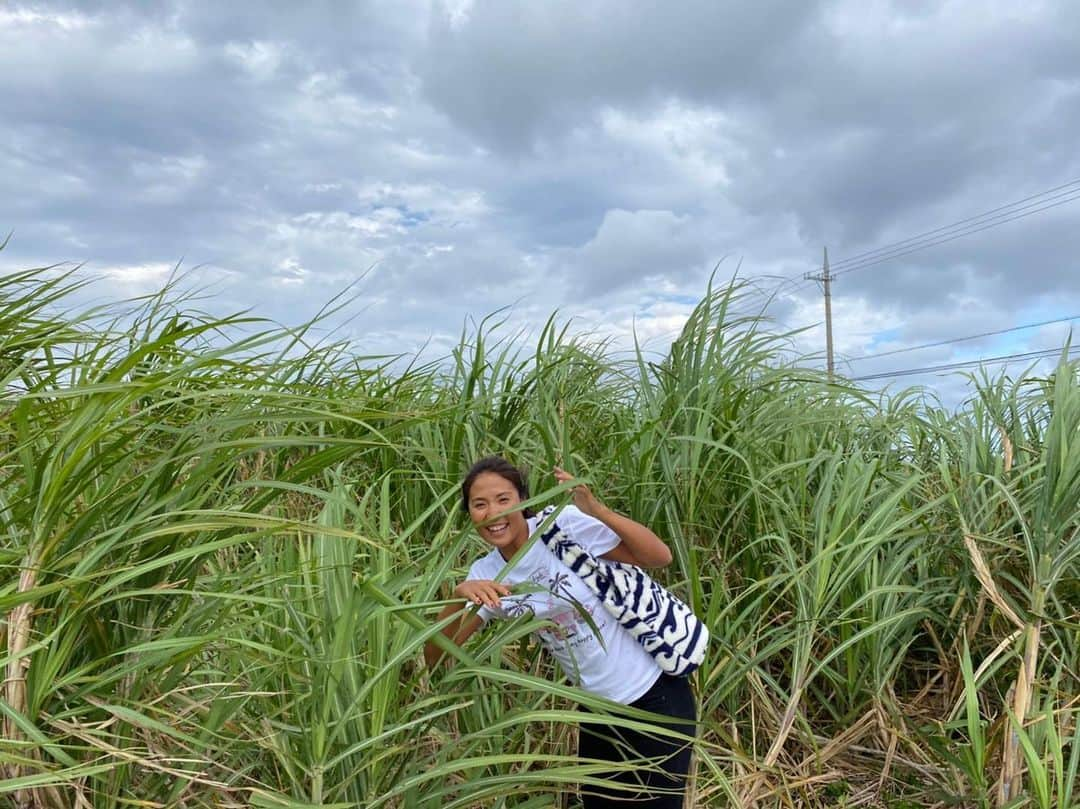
(516, 72)
(634, 246)
(464, 157)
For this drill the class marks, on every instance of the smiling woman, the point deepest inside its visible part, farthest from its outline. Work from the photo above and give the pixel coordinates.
(595, 652)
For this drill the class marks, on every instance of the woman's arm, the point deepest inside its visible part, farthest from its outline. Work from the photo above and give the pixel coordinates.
(639, 545)
(477, 591)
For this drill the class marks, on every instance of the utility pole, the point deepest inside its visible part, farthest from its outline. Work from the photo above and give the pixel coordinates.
(825, 278)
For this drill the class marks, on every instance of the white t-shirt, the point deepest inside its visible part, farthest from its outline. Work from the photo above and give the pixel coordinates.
(620, 669)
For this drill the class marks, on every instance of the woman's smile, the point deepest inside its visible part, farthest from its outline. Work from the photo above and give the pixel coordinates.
(492, 501)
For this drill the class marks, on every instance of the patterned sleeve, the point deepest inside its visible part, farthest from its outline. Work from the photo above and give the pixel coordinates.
(596, 537)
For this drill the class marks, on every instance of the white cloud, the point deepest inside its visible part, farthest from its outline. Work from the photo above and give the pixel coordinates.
(168, 178)
(289, 273)
(259, 59)
(381, 223)
(691, 140)
(138, 276)
(435, 200)
(472, 155)
(457, 11)
(152, 52)
(26, 17)
(325, 103)
(655, 325)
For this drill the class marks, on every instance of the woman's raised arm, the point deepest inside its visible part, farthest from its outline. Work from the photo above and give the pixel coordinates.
(639, 545)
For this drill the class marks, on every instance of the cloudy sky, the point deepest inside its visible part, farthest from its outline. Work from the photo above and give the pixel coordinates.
(601, 158)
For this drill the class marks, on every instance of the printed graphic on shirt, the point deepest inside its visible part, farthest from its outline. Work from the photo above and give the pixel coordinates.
(568, 629)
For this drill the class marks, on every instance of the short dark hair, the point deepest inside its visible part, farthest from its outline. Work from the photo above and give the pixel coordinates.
(504, 469)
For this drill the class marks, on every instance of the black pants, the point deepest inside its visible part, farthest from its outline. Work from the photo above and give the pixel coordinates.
(661, 784)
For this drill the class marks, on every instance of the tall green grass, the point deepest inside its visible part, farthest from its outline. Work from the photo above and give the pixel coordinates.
(224, 545)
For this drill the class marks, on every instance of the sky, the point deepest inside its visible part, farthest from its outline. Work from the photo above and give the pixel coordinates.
(602, 159)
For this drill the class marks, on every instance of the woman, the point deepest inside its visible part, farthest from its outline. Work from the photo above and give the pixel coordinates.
(617, 668)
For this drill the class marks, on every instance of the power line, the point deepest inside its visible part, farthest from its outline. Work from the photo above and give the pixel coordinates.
(958, 235)
(952, 366)
(1072, 185)
(962, 339)
(1010, 212)
(1002, 214)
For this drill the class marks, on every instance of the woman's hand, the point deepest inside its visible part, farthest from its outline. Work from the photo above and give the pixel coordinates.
(584, 499)
(482, 591)
(463, 624)
(638, 545)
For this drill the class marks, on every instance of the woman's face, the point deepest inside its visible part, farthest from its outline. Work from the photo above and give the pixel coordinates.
(491, 500)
